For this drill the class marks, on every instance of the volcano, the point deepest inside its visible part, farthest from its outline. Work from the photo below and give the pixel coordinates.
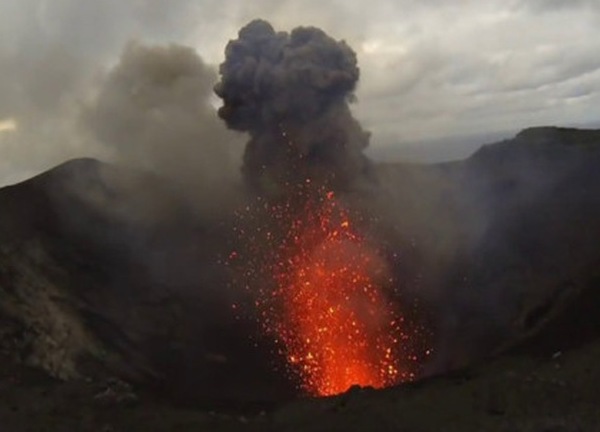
(106, 273)
(324, 293)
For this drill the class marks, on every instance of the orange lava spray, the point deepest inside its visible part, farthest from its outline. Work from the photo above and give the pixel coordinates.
(327, 306)
(337, 328)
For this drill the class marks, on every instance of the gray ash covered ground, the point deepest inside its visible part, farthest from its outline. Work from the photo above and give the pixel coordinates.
(511, 394)
(112, 301)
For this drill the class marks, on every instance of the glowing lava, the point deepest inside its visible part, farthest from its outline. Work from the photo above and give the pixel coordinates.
(327, 309)
(336, 326)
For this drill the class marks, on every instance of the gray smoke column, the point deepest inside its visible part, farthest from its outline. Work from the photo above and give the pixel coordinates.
(291, 93)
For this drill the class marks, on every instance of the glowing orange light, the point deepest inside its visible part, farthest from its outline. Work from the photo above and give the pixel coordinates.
(327, 308)
(334, 321)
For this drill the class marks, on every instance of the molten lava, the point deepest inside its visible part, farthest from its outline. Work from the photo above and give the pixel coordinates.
(327, 309)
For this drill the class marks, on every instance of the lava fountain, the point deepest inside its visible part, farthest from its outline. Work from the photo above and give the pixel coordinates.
(336, 327)
(324, 298)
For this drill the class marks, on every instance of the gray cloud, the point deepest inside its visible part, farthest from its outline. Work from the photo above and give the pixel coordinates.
(428, 69)
(54, 60)
(467, 57)
(154, 112)
(558, 5)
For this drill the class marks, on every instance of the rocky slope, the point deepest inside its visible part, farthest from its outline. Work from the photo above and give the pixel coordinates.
(108, 273)
(505, 237)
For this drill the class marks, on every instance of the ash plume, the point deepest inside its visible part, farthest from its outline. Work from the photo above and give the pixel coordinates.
(291, 93)
(53, 61)
(154, 112)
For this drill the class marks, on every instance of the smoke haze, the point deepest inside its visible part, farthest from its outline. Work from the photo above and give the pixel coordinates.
(154, 112)
(60, 100)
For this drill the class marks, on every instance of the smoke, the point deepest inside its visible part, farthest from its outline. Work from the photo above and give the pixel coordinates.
(154, 112)
(291, 93)
(62, 65)
(41, 94)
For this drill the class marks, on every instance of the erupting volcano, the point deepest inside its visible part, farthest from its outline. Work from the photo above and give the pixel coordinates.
(321, 290)
(335, 325)
(323, 293)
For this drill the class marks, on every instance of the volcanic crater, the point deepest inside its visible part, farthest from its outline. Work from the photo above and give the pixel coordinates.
(388, 286)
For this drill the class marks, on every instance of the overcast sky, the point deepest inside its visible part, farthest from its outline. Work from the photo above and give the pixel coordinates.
(432, 71)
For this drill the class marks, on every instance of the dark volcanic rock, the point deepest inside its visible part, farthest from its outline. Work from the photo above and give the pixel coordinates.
(107, 273)
(110, 273)
(503, 241)
(539, 251)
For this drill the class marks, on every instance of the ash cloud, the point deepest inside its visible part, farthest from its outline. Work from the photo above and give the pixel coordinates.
(291, 93)
(56, 77)
(154, 112)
